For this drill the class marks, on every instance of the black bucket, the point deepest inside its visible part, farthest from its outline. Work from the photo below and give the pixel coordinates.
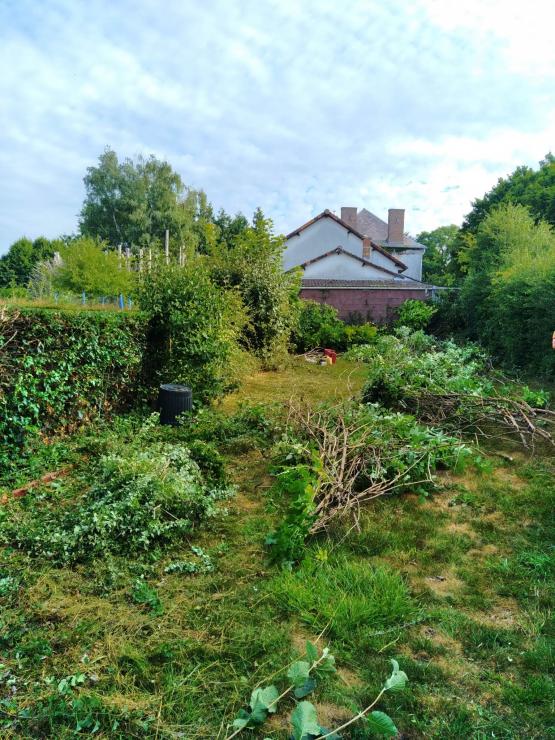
(173, 400)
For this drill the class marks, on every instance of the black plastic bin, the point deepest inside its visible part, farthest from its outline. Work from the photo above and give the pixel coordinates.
(173, 400)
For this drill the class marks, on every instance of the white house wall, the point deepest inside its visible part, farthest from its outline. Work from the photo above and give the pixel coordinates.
(319, 238)
(413, 260)
(382, 261)
(342, 267)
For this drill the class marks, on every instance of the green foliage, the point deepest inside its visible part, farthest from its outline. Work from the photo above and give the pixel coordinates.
(400, 366)
(304, 717)
(133, 203)
(87, 265)
(143, 495)
(346, 596)
(398, 449)
(252, 426)
(534, 189)
(297, 484)
(318, 325)
(203, 563)
(193, 327)
(147, 596)
(59, 370)
(415, 314)
(252, 266)
(440, 264)
(506, 300)
(17, 264)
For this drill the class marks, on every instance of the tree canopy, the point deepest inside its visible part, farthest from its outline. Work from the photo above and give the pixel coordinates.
(506, 301)
(534, 189)
(440, 265)
(17, 264)
(133, 203)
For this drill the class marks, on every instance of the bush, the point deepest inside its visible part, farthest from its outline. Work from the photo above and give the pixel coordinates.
(253, 267)
(145, 494)
(59, 370)
(415, 314)
(193, 327)
(319, 326)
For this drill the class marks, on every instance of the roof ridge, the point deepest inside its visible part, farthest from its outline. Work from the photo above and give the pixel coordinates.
(326, 213)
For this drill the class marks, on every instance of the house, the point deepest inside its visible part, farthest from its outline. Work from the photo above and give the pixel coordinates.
(358, 263)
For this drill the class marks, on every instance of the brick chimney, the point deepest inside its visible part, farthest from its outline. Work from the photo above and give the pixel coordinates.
(395, 225)
(366, 249)
(349, 215)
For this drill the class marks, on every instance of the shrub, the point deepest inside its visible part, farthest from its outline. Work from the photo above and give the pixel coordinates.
(253, 267)
(415, 314)
(193, 327)
(59, 370)
(319, 326)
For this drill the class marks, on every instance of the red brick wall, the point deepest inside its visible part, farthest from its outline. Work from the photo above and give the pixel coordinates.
(378, 306)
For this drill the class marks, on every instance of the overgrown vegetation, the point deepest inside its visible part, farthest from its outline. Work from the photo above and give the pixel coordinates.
(61, 369)
(175, 638)
(453, 387)
(193, 327)
(337, 458)
(319, 325)
(143, 495)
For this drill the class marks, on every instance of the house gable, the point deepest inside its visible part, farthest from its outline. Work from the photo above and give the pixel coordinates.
(326, 232)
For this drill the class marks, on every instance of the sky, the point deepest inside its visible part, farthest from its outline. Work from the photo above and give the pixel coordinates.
(290, 105)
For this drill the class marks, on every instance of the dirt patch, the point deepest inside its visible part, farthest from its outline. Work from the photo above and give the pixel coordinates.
(461, 529)
(483, 552)
(349, 678)
(440, 638)
(330, 715)
(507, 476)
(444, 584)
(502, 614)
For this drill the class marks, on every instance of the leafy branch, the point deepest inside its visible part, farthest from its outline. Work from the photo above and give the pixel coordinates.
(303, 675)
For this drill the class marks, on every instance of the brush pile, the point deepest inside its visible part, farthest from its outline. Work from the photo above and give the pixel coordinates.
(453, 388)
(362, 452)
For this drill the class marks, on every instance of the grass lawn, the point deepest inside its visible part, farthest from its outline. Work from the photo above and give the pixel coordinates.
(459, 588)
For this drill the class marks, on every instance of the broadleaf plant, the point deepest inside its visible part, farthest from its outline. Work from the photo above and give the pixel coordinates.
(303, 676)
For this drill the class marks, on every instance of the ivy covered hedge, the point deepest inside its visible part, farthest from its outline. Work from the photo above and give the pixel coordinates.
(60, 369)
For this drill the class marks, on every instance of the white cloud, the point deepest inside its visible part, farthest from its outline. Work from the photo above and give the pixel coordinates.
(291, 106)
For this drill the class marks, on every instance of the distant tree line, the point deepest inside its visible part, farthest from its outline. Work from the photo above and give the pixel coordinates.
(130, 204)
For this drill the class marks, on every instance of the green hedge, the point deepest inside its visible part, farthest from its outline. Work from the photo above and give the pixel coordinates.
(61, 369)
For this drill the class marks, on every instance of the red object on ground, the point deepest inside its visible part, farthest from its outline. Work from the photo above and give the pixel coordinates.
(333, 355)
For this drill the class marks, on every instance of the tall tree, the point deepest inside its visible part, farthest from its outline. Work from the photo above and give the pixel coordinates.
(17, 264)
(252, 265)
(440, 265)
(133, 203)
(525, 186)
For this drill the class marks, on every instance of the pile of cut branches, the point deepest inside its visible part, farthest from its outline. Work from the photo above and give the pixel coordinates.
(453, 387)
(364, 453)
(483, 415)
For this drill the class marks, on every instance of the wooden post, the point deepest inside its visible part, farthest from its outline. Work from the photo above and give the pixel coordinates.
(180, 255)
(150, 260)
(119, 255)
(141, 252)
(127, 258)
(167, 246)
